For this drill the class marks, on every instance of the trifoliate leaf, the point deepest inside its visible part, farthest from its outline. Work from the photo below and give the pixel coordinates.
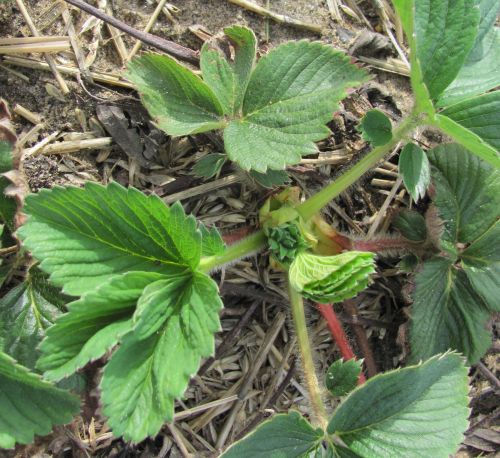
(445, 32)
(328, 279)
(175, 322)
(413, 412)
(414, 168)
(7, 204)
(211, 241)
(29, 405)
(271, 178)
(93, 325)
(455, 296)
(447, 313)
(411, 225)
(229, 80)
(284, 435)
(209, 165)
(26, 311)
(292, 94)
(84, 236)
(342, 376)
(178, 100)
(376, 128)
(481, 115)
(467, 192)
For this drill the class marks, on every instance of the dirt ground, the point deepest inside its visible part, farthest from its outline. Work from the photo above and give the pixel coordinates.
(256, 315)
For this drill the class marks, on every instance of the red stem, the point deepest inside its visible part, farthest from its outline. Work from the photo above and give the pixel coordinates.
(338, 334)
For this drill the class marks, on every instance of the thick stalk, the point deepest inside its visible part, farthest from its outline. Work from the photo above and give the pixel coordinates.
(299, 320)
(314, 204)
(248, 245)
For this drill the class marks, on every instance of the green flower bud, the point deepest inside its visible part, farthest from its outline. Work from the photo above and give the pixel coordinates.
(327, 279)
(285, 242)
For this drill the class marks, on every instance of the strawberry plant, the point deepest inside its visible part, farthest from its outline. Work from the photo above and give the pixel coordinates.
(136, 273)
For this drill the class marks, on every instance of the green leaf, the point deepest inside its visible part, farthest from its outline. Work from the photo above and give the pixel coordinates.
(271, 178)
(292, 94)
(212, 243)
(209, 165)
(485, 283)
(7, 205)
(414, 168)
(445, 31)
(481, 71)
(29, 405)
(93, 325)
(376, 128)
(229, 80)
(84, 236)
(411, 225)
(481, 115)
(175, 322)
(447, 313)
(328, 279)
(467, 192)
(485, 250)
(284, 435)
(178, 100)
(26, 311)
(342, 376)
(467, 138)
(413, 412)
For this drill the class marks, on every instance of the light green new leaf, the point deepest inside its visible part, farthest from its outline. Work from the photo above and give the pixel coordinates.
(447, 312)
(93, 325)
(174, 328)
(481, 115)
(84, 236)
(293, 92)
(178, 100)
(415, 170)
(284, 435)
(29, 405)
(376, 127)
(413, 412)
(326, 279)
(467, 192)
(26, 311)
(342, 376)
(229, 80)
(445, 31)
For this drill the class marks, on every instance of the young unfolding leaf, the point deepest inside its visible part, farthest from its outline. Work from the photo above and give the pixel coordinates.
(29, 405)
(84, 236)
(284, 435)
(174, 327)
(26, 311)
(271, 114)
(376, 128)
(454, 296)
(328, 279)
(413, 412)
(342, 376)
(414, 167)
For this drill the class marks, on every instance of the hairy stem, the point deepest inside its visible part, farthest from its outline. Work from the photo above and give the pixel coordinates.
(314, 204)
(248, 245)
(299, 320)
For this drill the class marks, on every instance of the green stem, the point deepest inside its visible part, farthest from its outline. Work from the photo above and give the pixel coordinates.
(314, 204)
(299, 321)
(250, 244)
